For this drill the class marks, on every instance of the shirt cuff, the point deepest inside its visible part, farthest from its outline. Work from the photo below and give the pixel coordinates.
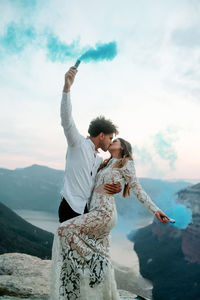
(64, 93)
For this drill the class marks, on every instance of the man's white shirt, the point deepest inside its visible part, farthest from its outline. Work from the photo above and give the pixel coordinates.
(82, 161)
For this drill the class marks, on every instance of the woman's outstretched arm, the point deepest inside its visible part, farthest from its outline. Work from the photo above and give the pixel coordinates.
(130, 176)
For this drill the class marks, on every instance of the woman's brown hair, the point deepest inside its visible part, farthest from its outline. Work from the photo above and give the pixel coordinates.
(126, 154)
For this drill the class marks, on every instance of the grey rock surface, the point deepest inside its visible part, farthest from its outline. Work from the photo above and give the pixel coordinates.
(24, 275)
(132, 282)
(27, 276)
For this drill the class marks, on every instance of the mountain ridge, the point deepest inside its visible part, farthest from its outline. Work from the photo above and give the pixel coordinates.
(38, 187)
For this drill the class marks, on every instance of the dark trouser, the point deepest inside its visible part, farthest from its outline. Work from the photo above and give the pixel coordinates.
(65, 212)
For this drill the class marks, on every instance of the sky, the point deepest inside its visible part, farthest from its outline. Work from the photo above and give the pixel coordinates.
(149, 87)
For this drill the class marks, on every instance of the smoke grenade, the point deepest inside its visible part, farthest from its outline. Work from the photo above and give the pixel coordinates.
(172, 221)
(77, 63)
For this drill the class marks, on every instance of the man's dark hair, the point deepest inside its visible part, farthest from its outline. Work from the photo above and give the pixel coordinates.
(100, 124)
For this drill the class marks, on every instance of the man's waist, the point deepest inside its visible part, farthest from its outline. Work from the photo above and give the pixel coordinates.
(78, 189)
(76, 202)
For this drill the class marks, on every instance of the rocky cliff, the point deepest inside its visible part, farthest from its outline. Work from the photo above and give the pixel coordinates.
(27, 276)
(191, 236)
(23, 275)
(170, 257)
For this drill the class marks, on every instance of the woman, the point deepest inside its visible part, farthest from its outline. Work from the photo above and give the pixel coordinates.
(81, 267)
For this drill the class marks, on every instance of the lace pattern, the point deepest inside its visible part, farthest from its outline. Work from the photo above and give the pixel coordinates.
(129, 174)
(80, 255)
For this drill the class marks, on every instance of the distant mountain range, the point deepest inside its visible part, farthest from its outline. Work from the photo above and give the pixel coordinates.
(17, 235)
(35, 188)
(38, 188)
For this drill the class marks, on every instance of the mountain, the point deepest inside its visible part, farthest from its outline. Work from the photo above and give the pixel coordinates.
(191, 237)
(17, 235)
(38, 188)
(35, 188)
(170, 257)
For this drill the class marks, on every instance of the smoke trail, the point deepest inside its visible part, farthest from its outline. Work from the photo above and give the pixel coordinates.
(24, 4)
(59, 51)
(143, 155)
(182, 215)
(133, 215)
(16, 38)
(163, 142)
(19, 36)
(102, 52)
(169, 204)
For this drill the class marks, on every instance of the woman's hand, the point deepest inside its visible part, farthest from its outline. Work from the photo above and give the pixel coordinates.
(162, 217)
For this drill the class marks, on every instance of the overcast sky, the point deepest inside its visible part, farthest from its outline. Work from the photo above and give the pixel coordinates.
(150, 89)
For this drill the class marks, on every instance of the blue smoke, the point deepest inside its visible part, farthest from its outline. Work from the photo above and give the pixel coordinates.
(102, 52)
(143, 155)
(164, 148)
(132, 214)
(30, 4)
(168, 203)
(18, 36)
(181, 214)
(59, 51)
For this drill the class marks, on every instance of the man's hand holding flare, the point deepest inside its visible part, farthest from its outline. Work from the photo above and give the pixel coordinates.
(69, 79)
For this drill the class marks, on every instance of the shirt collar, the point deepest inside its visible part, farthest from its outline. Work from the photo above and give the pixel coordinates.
(92, 145)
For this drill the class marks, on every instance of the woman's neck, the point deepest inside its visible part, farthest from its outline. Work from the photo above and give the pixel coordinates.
(116, 155)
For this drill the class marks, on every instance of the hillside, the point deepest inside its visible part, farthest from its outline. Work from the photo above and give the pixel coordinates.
(17, 235)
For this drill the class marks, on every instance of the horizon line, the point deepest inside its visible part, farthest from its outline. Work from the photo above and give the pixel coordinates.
(155, 178)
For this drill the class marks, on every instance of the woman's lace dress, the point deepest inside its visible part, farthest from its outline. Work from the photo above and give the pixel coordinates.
(81, 267)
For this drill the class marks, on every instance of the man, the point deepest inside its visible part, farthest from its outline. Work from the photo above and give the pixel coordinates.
(82, 161)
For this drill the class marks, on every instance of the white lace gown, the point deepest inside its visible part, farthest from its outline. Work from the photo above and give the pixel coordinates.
(81, 267)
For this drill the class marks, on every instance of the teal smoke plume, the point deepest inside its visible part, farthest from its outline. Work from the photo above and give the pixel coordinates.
(18, 36)
(101, 52)
(131, 214)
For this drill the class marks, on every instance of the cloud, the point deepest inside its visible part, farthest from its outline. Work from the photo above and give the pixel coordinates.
(143, 155)
(187, 37)
(158, 149)
(164, 146)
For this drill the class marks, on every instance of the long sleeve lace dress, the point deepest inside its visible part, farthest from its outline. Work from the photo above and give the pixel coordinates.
(81, 267)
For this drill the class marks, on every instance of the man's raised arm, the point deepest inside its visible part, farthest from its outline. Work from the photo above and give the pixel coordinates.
(70, 130)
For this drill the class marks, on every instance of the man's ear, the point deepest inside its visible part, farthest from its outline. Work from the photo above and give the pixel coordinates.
(101, 136)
